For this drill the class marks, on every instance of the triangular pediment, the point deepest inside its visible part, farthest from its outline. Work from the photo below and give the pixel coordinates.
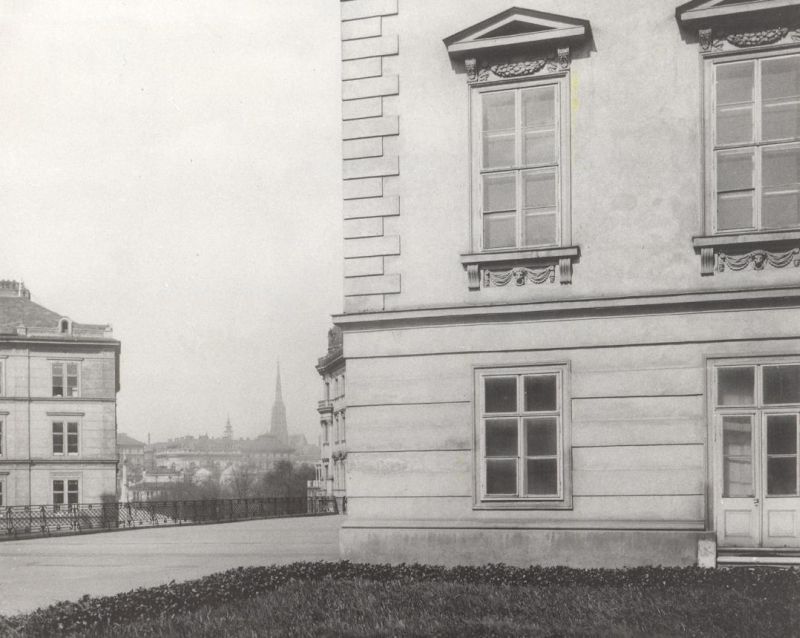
(710, 11)
(514, 28)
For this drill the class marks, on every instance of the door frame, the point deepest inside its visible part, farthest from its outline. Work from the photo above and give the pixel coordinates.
(714, 429)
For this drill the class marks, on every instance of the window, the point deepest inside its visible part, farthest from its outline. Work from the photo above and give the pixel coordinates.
(65, 491)
(65, 379)
(758, 408)
(519, 165)
(523, 442)
(2, 442)
(65, 433)
(756, 143)
(325, 433)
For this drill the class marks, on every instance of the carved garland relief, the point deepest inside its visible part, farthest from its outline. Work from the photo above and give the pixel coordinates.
(480, 71)
(715, 41)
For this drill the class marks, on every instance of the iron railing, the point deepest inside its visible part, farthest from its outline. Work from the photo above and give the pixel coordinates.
(43, 520)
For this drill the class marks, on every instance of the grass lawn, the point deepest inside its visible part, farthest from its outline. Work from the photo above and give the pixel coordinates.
(339, 599)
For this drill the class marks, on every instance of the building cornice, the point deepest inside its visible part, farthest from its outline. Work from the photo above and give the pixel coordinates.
(71, 341)
(788, 296)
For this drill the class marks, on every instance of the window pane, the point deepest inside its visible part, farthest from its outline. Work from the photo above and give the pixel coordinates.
(734, 170)
(539, 147)
(782, 384)
(539, 189)
(735, 386)
(500, 230)
(780, 77)
(737, 461)
(781, 210)
(498, 111)
(501, 477)
(540, 393)
(781, 476)
(498, 129)
(542, 437)
(780, 120)
(500, 394)
(499, 192)
(539, 107)
(781, 177)
(734, 124)
(543, 477)
(782, 434)
(498, 149)
(780, 82)
(541, 230)
(501, 437)
(735, 82)
(737, 436)
(734, 210)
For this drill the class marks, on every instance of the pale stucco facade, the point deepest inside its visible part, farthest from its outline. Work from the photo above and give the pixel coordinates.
(58, 386)
(645, 294)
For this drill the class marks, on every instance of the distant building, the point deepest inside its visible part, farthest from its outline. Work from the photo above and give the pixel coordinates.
(58, 385)
(277, 424)
(130, 450)
(332, 465)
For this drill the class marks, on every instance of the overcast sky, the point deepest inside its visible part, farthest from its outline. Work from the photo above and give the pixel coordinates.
(172, 167)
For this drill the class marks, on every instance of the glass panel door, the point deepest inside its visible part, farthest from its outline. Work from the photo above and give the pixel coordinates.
(738, 522)
(781, 498)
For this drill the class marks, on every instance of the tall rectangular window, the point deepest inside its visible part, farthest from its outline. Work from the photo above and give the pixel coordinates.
(520, 166)
(65, 437)
(756, 143)
(522, 435)
(65, 379)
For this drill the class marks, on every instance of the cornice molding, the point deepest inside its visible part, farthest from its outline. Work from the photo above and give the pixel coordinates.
(698, 301)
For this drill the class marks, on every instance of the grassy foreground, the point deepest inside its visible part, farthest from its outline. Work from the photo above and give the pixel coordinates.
(335, 599)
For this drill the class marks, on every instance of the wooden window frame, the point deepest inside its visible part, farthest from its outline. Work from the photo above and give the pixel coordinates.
(65, 491)
(64, 376)
(563, 189)
(65, 437)
(758, 411)
(563, 499)
(711, 63)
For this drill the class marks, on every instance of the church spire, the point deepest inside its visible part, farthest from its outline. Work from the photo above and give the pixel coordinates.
(277, 425)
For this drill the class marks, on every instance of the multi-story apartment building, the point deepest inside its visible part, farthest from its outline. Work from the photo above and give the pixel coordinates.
(58, 385)
(572, 279)
(331, 469)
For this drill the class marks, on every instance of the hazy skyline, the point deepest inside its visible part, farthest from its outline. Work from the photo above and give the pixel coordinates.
(173, 169)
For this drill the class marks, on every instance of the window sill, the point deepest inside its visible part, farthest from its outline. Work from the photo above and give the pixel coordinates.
(519, 267)
(737, 251)
(523, 504)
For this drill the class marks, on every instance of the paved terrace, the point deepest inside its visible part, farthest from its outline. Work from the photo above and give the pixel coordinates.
(38, 572)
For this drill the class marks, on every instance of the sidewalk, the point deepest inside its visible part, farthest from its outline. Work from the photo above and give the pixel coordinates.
(37, 572)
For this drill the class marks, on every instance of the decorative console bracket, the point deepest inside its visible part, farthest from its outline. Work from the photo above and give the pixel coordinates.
(739, 252)
(519, 267)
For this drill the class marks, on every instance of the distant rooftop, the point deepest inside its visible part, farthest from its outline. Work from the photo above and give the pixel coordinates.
(123, 440)
(22, 317)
